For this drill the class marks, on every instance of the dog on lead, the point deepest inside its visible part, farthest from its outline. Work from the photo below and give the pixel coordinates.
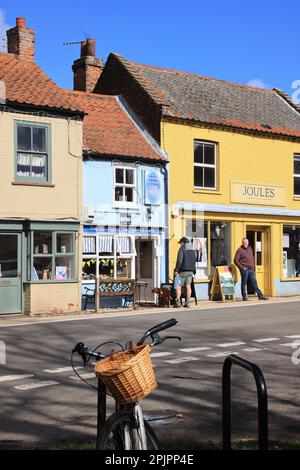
(164, 296)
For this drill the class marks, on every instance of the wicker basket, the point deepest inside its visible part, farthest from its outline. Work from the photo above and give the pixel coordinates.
(128, 375)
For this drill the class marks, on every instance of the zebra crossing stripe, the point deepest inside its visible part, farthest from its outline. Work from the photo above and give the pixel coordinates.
(161, 354)
(6, 378)
(204, 348)
(33, 385)
(227, 345)
(254, 349)
(221, 354)
(59, 370)
(90, 375)
(179, 360)
(293, 336)
(265, 340)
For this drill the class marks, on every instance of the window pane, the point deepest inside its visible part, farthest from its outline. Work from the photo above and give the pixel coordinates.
(42, 268)
(64, 243)
(24, 137)
(106, 268)
(89, 245)
(297, 185)
(209, 154)
(129, 194)
(39, 139)
(119, 175)
(118, 193)
(63, 268)
(106, 245)
(198, 153)
(129, 176)
(23, 164)
(297, 165)
(8, 256)
(89, 268)
(209, 177)
(38, 166)
(197, 231)
(123, 268)
(198, 176)
(291, 251)
(42, 243)
(123, 245)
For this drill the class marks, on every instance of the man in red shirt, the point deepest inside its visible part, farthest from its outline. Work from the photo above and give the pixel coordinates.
(244, 260)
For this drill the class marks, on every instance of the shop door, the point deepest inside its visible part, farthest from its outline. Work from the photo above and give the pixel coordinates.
(145, 269)
(259, 240)
(10, 273)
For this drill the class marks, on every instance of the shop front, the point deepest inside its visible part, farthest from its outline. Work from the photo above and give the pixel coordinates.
(217, 232)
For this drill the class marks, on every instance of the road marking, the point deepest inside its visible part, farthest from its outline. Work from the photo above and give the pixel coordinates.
(265, 340)
(254, 349)
(6, 378)
(45, 383)
(179, 360)
(58, 370)
(293, 336)
(221, 354)
(227, 345)
(160, 354)
(194, 349)
(287, 344)
(90, 375)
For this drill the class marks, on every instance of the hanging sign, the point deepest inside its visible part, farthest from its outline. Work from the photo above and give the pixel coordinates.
(152, 188)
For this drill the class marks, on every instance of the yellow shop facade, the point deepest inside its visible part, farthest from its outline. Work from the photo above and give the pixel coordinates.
(234, 168)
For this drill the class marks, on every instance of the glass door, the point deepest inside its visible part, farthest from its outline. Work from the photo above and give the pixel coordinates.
(10, 273)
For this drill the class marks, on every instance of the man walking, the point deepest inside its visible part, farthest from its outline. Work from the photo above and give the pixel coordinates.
(184, 270)
(244, 260)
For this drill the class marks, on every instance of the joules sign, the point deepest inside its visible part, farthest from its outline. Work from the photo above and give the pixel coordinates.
(251, 193)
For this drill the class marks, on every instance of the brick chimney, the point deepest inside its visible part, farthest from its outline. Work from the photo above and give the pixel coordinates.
(87, 69)
(21, 41)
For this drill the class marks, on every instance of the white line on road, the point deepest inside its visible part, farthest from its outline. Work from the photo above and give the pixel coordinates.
(32, 385)
(293, 336)
(227, 345)
(6, 378)
(204, 348)
(287, 344)
(58, 370)
(254, 349)
(160, 354)
(221, 354)
(90, 375)
(179, 360)
(265, 340)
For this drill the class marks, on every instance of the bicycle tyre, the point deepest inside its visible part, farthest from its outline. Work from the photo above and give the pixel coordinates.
(111, 432)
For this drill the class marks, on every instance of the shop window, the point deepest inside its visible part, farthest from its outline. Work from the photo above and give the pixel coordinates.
(53, 256)
(89, 268)
(123, 268)
(124, 185)
(106, 268)
(291, 251)
(211, 242)
(32, 160)
(297, 175)
(204, 165)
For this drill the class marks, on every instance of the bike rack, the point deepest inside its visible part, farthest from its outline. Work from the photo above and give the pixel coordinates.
(262, 400)
(101, 409)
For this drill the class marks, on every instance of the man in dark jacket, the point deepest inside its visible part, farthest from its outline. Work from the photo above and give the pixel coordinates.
(184, 270)
(244, 260)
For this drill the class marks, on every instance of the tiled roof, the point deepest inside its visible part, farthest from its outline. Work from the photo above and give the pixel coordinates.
(108, 130)
(27, 84)
(208, 100)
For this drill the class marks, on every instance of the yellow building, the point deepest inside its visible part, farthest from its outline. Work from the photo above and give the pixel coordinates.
(40, 185)
(234, 167)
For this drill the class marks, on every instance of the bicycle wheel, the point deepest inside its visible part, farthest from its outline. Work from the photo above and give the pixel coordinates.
(118, 433)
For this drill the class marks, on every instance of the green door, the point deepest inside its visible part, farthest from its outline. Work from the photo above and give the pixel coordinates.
(10, 273)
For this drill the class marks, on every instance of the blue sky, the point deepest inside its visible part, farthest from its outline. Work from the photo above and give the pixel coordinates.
(233, 40)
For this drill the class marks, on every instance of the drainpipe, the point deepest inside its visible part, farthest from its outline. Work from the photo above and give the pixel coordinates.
(164, 170)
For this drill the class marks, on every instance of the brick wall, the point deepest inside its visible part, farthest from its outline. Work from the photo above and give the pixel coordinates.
(52, 298)
(21, 41)
(116, 80)
(86, 71)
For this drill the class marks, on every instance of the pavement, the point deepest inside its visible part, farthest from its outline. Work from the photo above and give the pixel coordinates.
(42, 403)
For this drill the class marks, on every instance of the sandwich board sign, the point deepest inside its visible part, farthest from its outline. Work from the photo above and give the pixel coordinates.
(223, 283)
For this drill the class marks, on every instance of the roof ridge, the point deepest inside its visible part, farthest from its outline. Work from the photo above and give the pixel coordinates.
(89, 94)
(154, 67)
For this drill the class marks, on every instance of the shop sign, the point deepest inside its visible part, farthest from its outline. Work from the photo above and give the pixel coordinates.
(152, 188)
(251, 193)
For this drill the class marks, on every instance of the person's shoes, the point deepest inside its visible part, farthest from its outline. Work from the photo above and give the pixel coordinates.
(187, 304)
(177, 304)
(263, 297)
(245, 299)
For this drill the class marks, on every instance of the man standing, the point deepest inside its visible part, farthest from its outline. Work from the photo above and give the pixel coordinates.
(244, 260)
(184, 270)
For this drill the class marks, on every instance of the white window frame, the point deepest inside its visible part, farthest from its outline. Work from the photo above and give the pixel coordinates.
(131, 204)
(206, 165)
(296, 175)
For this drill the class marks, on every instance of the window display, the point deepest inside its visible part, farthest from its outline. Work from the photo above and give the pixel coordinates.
(291, 251)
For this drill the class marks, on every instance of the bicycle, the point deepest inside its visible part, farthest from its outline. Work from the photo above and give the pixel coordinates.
(126, 428)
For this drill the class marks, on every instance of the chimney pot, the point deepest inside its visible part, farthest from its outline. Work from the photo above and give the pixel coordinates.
(90, 47)
(88, 68)
(20, 23)
(83, 49)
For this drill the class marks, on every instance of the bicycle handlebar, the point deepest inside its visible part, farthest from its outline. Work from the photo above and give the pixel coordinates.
(155, 329)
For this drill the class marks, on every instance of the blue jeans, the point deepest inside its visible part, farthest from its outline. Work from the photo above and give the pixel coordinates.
(249, 274)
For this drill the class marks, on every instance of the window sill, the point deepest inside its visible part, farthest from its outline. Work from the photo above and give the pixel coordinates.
(296, 198)
(290, 279)
(201, 281)
(125, 206)
(27, 183)
(206, 191)
(53, 281)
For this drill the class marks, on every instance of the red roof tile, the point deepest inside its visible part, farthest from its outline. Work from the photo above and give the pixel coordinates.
(108, 130)
(27, 84)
